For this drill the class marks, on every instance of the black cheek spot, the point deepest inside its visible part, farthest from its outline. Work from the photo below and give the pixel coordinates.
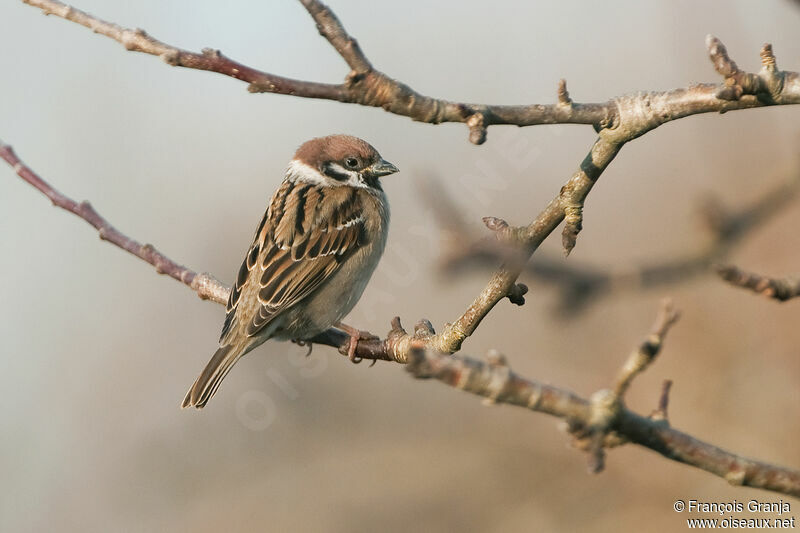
(331, 172)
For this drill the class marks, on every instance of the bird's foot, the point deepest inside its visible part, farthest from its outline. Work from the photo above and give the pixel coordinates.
(355, 336)
(301, 342)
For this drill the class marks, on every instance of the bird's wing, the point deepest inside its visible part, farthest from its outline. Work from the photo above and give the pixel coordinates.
(299, 244)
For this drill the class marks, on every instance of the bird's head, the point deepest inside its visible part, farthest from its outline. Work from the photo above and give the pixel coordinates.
(338, 160)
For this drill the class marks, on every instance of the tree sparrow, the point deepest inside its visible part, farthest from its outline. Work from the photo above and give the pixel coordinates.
(313, 253)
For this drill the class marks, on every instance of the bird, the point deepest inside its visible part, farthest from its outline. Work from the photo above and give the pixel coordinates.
(312, 255)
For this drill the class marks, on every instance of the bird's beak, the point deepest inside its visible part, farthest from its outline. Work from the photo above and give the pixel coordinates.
(381, 168)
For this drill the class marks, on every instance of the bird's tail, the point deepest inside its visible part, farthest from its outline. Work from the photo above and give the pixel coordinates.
(217, 368)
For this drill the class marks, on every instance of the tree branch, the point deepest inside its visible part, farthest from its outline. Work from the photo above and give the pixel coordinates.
(603, 419)
(205, 285)
(780, 289)
(367, 86)
(583, 284)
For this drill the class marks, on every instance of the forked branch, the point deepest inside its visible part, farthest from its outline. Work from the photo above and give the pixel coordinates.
(603, 421)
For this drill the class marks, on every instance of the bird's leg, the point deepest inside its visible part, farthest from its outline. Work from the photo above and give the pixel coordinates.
(355, 336)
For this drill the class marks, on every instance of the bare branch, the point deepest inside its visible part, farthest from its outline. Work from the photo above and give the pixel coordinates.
(582, 284)
(596, 434)
(329, 27)
(678, 446)
(367, 86)
(209, 59)
(642, 357)
(780, 289)
(205, 285)
(529, 238)
(499, 384)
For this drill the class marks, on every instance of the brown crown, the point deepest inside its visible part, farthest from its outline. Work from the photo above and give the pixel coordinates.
(335, 148)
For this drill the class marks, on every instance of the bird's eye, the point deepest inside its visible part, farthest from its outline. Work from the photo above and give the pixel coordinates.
(351, 162)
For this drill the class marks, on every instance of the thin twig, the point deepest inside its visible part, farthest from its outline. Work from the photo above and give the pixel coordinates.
(780, 289)
(643, 356)
(661, 412)
(204, 284)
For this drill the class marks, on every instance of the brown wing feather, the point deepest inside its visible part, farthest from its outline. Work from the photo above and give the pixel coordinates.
(302, 244)
(244, 271)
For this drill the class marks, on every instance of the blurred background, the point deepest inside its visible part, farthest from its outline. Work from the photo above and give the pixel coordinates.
(98, 350)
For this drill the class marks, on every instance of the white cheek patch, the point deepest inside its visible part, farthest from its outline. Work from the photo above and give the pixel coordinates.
(302, 172)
